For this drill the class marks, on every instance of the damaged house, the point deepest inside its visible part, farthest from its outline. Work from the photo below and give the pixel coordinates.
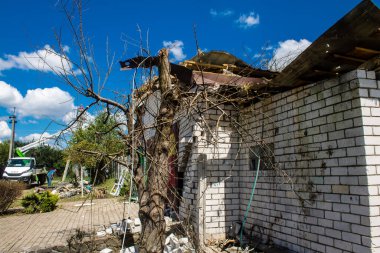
(293, 156)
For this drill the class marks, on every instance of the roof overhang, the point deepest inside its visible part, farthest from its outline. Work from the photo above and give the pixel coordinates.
(353, 42)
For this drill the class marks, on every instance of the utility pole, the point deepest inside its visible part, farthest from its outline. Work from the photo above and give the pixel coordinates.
(11, 144)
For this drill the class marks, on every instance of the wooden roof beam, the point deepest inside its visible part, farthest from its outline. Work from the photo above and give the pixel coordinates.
(367, 50)
(325, 72)
(349, 58)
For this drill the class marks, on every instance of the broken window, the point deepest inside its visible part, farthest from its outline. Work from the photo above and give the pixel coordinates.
(265, 152)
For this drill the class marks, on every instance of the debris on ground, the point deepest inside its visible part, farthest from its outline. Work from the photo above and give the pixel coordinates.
(84, 204)
(101, 233)
(131, 249)
(106, 250)
(175, 245)
(66, 190)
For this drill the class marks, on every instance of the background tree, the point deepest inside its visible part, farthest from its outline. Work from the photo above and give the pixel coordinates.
(47, 156)
(4, 153)
(98, 138)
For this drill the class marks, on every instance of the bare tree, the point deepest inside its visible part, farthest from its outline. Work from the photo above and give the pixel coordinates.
(178, 98)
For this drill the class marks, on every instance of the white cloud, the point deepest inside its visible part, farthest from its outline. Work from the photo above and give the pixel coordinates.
(69, 117)
(38, 103)
(224, 13)
(34, 137)
(5, 131)
(9, 95)
(45, 59)
(47, 102)
(287, 51)
(176, 49)
(248, 20)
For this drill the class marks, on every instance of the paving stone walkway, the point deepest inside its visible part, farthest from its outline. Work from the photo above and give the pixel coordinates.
(21, 233)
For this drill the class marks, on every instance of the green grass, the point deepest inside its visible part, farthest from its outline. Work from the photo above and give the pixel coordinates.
(17, 203)
(108, 184)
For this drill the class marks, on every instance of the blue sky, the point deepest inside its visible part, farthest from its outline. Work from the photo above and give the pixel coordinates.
(243, 28)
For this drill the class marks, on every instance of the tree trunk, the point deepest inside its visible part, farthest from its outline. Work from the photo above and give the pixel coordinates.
(153, 195)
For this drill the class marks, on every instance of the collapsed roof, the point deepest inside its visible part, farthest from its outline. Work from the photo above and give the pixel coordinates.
(353, 42)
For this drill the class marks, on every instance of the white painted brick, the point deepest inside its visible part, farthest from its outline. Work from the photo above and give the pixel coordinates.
(333, 215)
(346, 143)
(352, 75)
(350, 218)
(325, 223)
(363, 92)
(336, 135)
(332, 82)
(343, 245)
(333, 100)
(367, 83)
(369, 102)
(341, 189)
(361, 249)
(325, 240)
(371, 75)
(333, 233)
(359, 190)
(335, 117)
(349, 180)
(318, 247)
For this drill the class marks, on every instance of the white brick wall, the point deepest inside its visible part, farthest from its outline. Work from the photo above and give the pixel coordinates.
(327, 139)
(215, 202)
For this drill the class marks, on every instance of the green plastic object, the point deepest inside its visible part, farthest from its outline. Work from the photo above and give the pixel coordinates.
(19, 153)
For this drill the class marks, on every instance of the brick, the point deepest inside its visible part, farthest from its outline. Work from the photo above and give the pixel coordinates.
(361, 249)
(354, 132)
(351, 237)
(363, 92)
(333, 100)
(336, 117)
(338, 207)
(318, 247)
(325, 223)
(346, 143)
(371, 75)
(341, 189)
(331, 180)
(347, 161)
(352, 75)
(333, 233)
(333, 250)
(333, 215)
(349, 180)
(359, 190)
(331, 83)
(350, 218)
(367, 83)
(343, 245)
(369, 102)
(325, 240)
(361, 210)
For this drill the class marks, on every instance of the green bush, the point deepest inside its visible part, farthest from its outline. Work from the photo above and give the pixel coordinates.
(9, 191)
(40, 202)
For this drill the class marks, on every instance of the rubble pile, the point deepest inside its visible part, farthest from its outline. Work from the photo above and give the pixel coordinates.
(66, 190)
(175, 245)
(128, 225)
